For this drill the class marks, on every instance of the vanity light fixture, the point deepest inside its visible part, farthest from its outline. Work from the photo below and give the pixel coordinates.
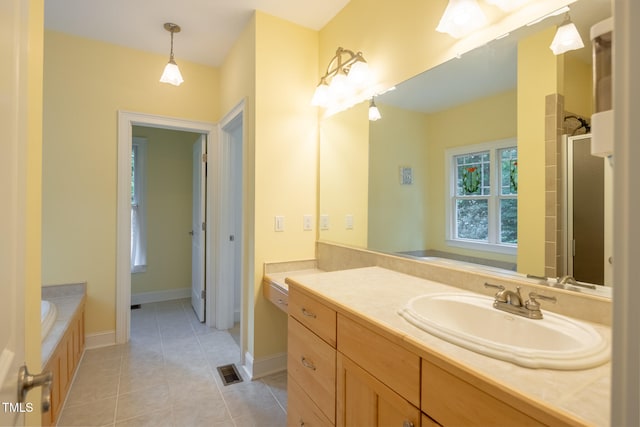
(347, 76)
(508, 5)
(567, 37)
(461, 17)
(374, 113)
(171, 72)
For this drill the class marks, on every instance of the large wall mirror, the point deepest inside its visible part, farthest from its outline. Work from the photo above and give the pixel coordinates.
(417, 180)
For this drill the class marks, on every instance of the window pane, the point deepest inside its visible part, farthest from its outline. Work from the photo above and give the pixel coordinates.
(472, 219)
(473, 174)
(134, 150)
(509, 171)
(509, 221)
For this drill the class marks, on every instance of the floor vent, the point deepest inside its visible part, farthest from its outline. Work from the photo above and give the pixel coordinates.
(135, 306)
(229, 374)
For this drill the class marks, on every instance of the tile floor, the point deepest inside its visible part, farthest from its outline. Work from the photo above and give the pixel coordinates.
(166, 376)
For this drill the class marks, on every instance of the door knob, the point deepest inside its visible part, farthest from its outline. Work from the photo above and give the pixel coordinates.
(27, 381)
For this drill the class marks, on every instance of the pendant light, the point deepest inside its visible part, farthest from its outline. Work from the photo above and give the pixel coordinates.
(171, 72)
(567, 38)
(374, 113)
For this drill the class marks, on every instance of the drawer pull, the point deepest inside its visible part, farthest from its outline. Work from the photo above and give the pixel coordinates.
(282, 302)
(307, 364)
(308, 313)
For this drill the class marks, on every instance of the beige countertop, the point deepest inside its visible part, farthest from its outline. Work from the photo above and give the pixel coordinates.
(375, 294)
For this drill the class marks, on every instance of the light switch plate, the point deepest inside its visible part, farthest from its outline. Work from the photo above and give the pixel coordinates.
(349, 222)
(324, 222)
(278, 223)
(307, 222)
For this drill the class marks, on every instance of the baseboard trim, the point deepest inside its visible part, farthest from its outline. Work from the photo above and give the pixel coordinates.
(100, 339)
(264, 366)
(158, 296)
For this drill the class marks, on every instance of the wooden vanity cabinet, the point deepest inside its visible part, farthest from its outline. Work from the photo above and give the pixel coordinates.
(346, 371)
(311, 362)
(363, 400)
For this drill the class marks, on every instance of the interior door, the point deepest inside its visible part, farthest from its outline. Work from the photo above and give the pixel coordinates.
(198, 228)
(12, 209)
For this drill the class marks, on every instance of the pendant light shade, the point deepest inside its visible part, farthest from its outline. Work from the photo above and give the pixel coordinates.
(171, 72)
(567, 38)
(374, 113)
(461, 17)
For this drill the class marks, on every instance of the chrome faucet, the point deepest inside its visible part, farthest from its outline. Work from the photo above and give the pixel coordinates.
(512, 302)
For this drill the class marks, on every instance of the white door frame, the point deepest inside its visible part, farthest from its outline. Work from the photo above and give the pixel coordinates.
(126, 121)
(222, 216)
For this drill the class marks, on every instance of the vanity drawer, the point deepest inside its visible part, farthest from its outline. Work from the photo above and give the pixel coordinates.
(312, 363)
(314, 315)
(276, 295)
(300, 408)
(396, 367)
(469, 407)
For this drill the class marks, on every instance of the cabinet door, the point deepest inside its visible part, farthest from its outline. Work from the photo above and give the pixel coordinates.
(365, 401)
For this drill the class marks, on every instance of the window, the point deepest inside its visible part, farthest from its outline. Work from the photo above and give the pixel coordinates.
(138, 208)
(483, 196)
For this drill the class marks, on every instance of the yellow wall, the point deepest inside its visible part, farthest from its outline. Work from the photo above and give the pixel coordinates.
(578, 87)
(538, 71)
(285, 160)
(487, 119)
(344, 168)
(169, 166)
(85, 83)
(397, 213)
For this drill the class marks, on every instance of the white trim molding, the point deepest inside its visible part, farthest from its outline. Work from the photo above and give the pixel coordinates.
(100, 339)
(258, 368)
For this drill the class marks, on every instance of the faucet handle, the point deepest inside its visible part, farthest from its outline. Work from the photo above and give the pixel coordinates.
(491, 285)
(533, 304)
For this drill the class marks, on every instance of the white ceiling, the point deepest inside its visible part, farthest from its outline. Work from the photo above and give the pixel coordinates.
(209, 27)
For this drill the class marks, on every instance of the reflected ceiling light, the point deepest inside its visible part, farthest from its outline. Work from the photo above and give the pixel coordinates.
(171, 72)
(374, 113)
(346, 79)
(507, 5)
(461, 17)
(567, 38)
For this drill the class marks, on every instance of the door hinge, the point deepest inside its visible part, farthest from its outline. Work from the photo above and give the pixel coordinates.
(203, 294)
(204, 226)
(204, 157)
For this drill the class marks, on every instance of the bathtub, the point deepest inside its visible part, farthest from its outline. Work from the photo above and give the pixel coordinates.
(48, 314)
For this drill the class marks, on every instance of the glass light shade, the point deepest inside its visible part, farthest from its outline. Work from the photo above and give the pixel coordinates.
(339, 86)
(374, 113)
(171, 74)
(461, 17)
(321, 95)
(359, 74)
(567, 38)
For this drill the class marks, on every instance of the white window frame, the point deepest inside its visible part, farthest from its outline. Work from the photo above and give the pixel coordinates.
(492, 245)
(139, 260)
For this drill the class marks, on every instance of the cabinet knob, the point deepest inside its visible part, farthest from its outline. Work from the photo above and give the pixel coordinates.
(407, 423)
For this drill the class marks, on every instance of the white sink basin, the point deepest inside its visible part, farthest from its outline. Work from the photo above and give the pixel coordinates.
(470, 321)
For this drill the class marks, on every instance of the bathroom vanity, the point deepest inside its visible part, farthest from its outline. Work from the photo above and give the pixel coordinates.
(353, 360)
